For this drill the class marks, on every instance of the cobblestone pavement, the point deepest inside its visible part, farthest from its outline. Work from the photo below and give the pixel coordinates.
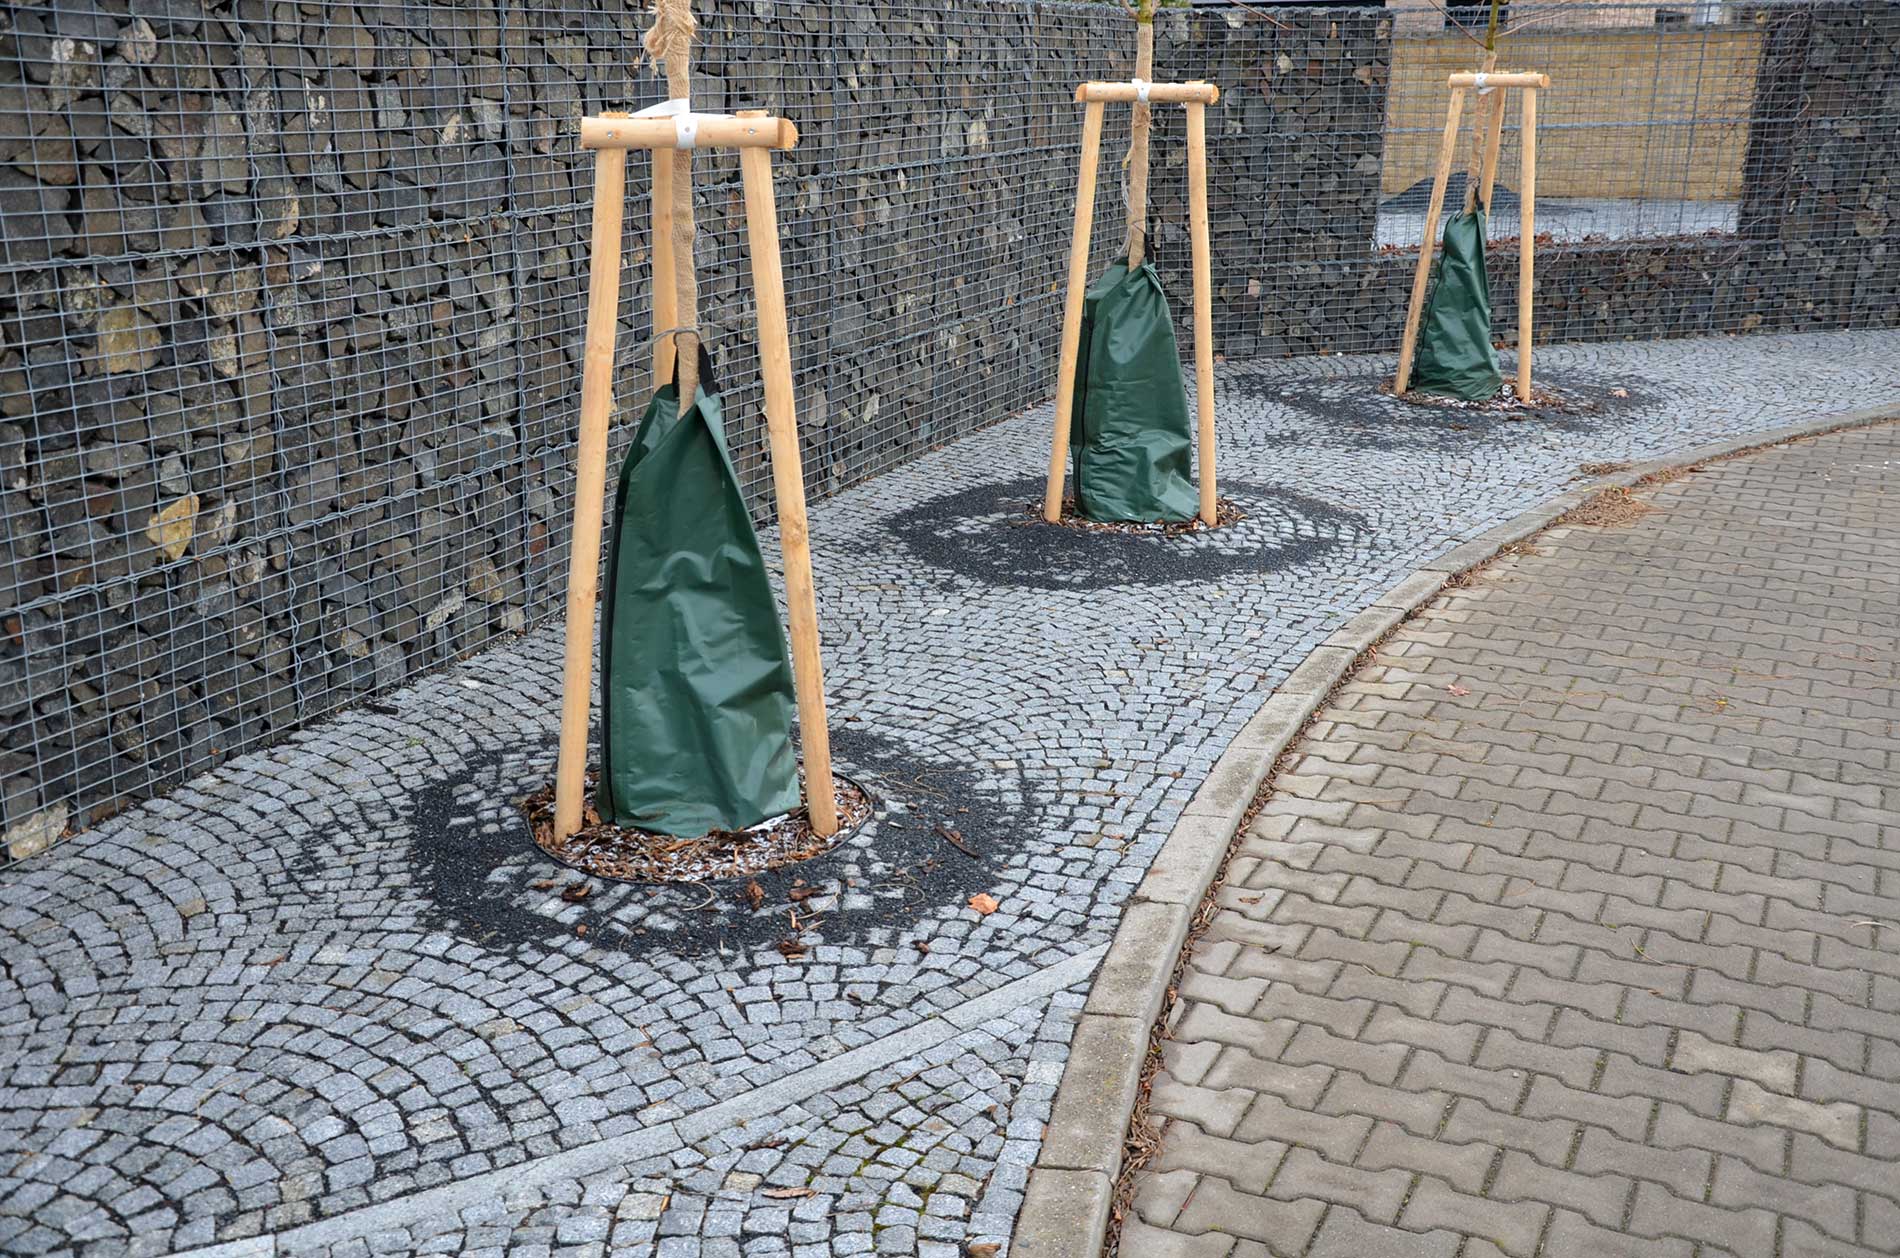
(1570, 927)
(331, 994)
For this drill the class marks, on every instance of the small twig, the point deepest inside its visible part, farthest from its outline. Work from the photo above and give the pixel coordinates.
(954, 839)
(1455, 24)
(1263, 15)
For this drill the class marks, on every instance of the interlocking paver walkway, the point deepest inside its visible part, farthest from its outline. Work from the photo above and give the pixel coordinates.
(1573, 927)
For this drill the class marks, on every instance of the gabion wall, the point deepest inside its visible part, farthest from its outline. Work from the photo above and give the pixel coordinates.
(1296, 203)
(291, 299)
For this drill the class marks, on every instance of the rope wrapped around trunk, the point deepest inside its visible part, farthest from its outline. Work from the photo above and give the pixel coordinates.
(1141, 125)
(669, 42)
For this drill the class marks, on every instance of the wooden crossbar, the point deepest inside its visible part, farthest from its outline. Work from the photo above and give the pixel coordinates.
(747, 131)
(1509, 78)
(755, 134)
(1158, 93)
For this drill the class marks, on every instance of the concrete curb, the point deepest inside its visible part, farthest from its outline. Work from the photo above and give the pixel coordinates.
(1071, 1185)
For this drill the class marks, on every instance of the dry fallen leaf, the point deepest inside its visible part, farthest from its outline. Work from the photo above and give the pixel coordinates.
(575, 892)
(1458, 690)
(799, 894)
(783, 1194)
(922, 945)
(754, 893)
(1619, 392)
(546, 884)
(580, 932)
(982, 1249)
(792, 949)
(984, 903)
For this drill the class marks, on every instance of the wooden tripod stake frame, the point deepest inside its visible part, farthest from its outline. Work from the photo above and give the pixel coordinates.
(754, 134)
(1528, 86)
(1196, 97)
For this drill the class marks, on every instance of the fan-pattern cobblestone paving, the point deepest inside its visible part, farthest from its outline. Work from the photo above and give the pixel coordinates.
(1573, 926)
(320, 988)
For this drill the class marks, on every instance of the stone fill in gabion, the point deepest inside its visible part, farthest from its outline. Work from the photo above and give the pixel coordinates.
(291, 296)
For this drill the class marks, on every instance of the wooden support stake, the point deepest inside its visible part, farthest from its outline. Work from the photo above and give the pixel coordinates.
(788, 482)
(1526, 241)
(1422, 275)
(665, 299)
(1072, 307)
(590, 487)
(1203, 305)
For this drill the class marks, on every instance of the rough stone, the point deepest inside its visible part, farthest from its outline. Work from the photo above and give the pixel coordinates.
(170, 527)
(128, 340)
(36, 833)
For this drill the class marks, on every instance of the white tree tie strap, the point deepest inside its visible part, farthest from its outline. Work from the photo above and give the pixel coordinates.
(1141, 89)
(1477, 81)
(685, 121)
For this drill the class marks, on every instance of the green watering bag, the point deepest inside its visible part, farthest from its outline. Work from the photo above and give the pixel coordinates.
(1455, 357)
(1131, 435)
(696, 689)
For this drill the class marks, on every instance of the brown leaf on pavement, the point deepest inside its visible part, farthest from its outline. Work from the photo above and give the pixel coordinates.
(792, 949)
(575, 892)
(782, 1194)
(754, 893)
(1458, 690)
(984, 903)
